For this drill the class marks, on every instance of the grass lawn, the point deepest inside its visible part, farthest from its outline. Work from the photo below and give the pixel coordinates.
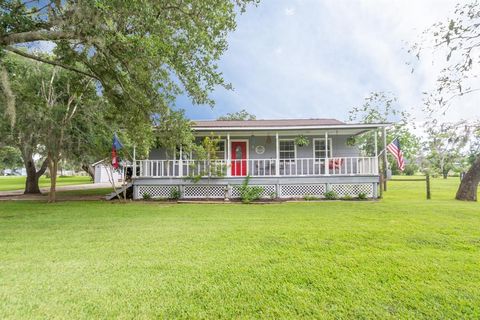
(18, 183)
(402, 257)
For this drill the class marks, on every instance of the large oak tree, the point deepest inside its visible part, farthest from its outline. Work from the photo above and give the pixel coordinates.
(137, 51)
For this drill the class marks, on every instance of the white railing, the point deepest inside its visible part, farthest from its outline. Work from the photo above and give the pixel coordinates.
(258, 167)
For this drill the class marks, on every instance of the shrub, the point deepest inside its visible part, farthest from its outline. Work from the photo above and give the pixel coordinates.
(331, 195)
(273, 195)
(362, 196)
(347, 197)
(249, 193)
(146, 196)
(175, 194)
(309, 197)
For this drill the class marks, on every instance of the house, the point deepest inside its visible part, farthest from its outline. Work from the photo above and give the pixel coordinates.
(103, 174)
(270, 153)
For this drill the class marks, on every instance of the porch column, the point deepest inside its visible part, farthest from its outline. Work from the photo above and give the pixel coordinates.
(134, 173)
(180, 162)
(277, 155)
(229, 164)
(384, 136)
(375, 163)
(326, 154)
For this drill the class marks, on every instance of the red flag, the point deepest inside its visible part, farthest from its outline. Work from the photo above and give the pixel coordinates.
(114, 158)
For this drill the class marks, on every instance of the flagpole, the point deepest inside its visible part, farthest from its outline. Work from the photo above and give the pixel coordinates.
(384, 136)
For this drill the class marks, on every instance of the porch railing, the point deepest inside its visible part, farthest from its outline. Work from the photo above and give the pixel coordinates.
(258, 167)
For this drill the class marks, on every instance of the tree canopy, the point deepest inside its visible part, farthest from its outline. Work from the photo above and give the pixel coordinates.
(239, 115)
(141, 53)
(456, 41)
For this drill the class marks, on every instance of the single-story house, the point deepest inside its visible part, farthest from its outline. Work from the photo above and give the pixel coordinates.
(287, 158)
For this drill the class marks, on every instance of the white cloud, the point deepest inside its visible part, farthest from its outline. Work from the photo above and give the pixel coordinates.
(329, 57)
(289, 11)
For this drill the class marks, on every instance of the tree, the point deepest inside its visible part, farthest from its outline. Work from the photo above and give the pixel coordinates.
(141, 54)
(382, 107)
(239, 115)
(25, 132)
(10, 158)
(457, 40)
(207, 163)
(445, 143)
(60, 117)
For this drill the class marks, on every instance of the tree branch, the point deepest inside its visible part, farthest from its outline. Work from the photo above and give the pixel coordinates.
(51, 62)
(41, 35)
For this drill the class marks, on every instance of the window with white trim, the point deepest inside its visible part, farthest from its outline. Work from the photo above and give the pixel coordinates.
(221, 151)
(319, 148)
(287, 149)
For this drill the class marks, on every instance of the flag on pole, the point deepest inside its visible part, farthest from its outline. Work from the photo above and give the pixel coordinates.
(116, 145)
(396, 151)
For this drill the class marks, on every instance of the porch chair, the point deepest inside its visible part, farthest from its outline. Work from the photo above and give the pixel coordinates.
(335, 164)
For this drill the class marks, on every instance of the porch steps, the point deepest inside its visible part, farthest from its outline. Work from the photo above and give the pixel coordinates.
(129, 193)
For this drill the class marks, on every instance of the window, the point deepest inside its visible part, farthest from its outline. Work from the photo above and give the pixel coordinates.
(319, 148)
(287, 149)
(221, 150)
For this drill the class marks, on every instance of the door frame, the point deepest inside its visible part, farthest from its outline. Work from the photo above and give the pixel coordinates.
(247, 148)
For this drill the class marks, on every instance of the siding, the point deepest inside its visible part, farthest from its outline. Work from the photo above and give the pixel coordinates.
(339, 146)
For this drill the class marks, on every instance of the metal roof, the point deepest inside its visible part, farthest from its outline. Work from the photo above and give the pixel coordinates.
(282, 125)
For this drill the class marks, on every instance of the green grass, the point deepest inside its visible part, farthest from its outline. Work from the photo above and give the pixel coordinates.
(18, 183)
(402, 257)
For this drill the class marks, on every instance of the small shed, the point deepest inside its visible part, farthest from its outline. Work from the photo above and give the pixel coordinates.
(102, 173)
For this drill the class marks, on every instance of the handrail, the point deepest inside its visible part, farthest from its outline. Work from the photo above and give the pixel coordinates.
(259, 167)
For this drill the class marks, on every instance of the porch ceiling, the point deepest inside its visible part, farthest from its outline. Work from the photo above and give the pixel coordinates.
(343, 129)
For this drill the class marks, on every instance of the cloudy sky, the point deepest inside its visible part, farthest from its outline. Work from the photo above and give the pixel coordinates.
(318, 58)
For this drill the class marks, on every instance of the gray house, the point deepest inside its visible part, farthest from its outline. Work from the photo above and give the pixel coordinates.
(270, 153)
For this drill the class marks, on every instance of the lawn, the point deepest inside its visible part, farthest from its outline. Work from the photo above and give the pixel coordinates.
(402, 257)
(18, 183)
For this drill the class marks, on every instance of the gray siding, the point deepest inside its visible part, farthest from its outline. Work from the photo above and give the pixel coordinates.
(339, 146)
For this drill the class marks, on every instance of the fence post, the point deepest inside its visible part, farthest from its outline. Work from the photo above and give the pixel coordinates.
(427, 180)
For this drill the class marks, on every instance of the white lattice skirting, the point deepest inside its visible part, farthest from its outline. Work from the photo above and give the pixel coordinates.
(269, 191)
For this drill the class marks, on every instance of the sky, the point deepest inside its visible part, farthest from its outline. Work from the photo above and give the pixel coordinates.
(320, 58)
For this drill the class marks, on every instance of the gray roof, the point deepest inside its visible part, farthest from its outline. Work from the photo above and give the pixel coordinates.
(265, 123)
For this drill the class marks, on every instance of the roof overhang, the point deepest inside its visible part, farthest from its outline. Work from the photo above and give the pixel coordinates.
(347, 129)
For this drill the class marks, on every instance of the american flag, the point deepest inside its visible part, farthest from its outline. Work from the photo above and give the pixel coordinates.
(396, 151)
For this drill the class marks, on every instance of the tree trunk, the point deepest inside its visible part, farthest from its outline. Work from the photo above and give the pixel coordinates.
(445, 174)
(53, 166)
(468, 187)
(90, 170)
(31, 183)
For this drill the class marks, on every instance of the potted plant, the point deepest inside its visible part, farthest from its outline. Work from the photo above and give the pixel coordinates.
(302, 141)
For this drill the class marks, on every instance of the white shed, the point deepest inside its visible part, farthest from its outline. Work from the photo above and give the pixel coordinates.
(101, 173)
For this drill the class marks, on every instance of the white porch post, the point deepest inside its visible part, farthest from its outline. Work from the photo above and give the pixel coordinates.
(277, 155)
(134, 173)
(229, 156)
(180, 162)
(375, 162)
(326, 154)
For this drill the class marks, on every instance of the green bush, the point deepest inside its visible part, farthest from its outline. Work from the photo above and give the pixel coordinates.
(249, 193)
(347, 197)
(331, 195)
(273, 195)
(146, 196)
(362, 196)
(175, 194)
(309, 197)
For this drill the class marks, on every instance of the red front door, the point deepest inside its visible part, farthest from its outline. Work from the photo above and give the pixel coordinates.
(239, 158)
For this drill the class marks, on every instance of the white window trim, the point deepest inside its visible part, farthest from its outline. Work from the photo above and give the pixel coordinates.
(330, 149)
(294, 148)
(224, 149)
